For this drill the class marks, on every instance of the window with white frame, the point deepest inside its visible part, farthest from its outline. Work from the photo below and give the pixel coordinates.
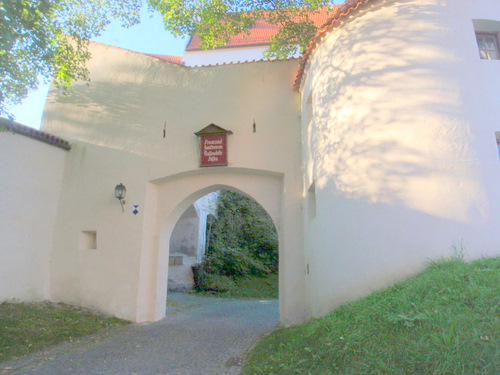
(487, 36)
(488, 46)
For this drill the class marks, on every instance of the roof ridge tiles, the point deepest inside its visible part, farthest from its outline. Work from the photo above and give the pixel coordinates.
(15, 127)
(245, 62)
(170, 58)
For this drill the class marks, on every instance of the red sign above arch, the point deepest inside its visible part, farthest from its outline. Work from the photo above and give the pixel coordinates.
(213, 146)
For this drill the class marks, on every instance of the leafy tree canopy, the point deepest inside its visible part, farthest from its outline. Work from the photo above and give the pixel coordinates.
(48, 38)
(216, 20)
(243, 225)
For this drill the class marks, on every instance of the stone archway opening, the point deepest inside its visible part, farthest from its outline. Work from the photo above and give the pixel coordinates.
(224, 244)
(168, 198)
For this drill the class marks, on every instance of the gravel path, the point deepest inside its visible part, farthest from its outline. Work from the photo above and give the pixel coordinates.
(199, 336)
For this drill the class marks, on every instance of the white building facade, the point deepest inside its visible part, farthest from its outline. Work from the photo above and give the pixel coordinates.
(385, 155)
(399, 115)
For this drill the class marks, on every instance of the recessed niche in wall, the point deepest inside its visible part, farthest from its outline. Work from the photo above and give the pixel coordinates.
(176, 260)
(88, 240)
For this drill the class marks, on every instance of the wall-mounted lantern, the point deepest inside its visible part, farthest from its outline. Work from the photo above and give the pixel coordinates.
(120, 192)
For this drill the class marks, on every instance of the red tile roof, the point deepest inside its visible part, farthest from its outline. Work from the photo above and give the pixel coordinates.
(333, 22)
(172, 59)
(15, 127)
(260, 34)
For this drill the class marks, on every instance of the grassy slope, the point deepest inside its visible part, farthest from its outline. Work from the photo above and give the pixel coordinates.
(445, 320)
(257, 287)
(29, 327)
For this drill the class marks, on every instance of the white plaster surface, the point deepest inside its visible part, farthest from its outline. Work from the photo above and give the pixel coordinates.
(401, 146)
(117, 123)
(30, 184)
(184, 244)
(206, 205)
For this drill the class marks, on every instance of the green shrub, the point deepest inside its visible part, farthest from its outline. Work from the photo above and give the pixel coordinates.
(207, 282)
(241, 223)
(218, 283)
(199, 277)
(266, 253)
(233, 262)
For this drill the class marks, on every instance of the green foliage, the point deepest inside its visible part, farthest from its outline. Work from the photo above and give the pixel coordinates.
(295, 29)
(243, 224)
(445, 320)
(233, 262)
(218, 283)
(211, 282)
(216, 20)
(29, 327)
(49, 39)
(242, 248)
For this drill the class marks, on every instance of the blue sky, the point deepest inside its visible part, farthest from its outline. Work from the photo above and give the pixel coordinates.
(149, 36)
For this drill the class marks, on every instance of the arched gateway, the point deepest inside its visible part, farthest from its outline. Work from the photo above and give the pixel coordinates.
(169, 197)
(160, 129)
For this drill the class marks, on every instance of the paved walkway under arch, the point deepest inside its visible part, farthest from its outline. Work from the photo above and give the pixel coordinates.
(199, 336)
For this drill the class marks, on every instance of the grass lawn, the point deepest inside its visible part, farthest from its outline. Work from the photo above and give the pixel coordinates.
(30, 327)
(445, 320)
(251, 287)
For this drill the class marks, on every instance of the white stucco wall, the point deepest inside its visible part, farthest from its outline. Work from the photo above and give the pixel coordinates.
(188, 241)
(206, 205)
(30, 183)
(185, 236)
(184, 244)
(400, 147)
(117, 124)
